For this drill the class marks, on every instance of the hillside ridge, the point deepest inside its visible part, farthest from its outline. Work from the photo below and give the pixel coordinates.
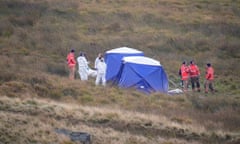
(36, 95)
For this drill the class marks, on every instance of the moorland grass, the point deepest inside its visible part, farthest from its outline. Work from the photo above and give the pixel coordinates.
(35, 38)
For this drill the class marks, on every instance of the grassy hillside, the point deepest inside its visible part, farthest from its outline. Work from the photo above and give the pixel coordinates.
(35, 37)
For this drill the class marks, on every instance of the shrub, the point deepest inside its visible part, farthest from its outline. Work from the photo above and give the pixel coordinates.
(6, 29)
(86, 99)
(14, 89)
(7, 76)
(58, 69)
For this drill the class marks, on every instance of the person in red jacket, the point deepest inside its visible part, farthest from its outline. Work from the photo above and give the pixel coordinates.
(194, 75)
(71, 64)
(184, 73)
(209, 77)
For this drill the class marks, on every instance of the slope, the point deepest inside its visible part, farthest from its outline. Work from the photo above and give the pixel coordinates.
(35, 37)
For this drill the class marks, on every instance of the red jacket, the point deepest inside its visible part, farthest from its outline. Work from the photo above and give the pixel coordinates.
(194, 70)
(209, 73)
(71, 60)
(184, 71)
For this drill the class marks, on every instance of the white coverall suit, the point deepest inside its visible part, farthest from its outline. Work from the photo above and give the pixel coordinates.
(82, 68)
(97, 60)
(101, 73)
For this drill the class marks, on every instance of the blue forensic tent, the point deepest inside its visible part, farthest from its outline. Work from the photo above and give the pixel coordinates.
(144, 74)
(113, 59)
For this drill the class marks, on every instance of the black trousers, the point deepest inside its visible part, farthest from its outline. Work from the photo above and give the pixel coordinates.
(195, 80)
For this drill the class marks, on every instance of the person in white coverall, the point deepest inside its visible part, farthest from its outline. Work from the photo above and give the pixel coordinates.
(82, 67)
(97, 60)
(101, 72)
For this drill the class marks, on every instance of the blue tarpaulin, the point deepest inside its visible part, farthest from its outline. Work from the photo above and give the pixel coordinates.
(113, 59)
(143, 73)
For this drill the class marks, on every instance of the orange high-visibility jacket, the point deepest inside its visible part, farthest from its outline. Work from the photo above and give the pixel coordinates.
(184, 72)
(71, 60)
(194, 70)
(209, 73)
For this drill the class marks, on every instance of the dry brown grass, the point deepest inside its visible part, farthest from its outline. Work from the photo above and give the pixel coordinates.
(35, 37)
(34, 120)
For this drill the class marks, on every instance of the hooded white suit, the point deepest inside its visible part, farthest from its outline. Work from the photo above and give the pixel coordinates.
(82, 67)
(101, 73)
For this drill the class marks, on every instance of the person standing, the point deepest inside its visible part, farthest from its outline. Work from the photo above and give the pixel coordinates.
(97, 60)
(101, 72)
(82, 67)
(71, 64)
(184, 73)
(194, 76)
(209, 77)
